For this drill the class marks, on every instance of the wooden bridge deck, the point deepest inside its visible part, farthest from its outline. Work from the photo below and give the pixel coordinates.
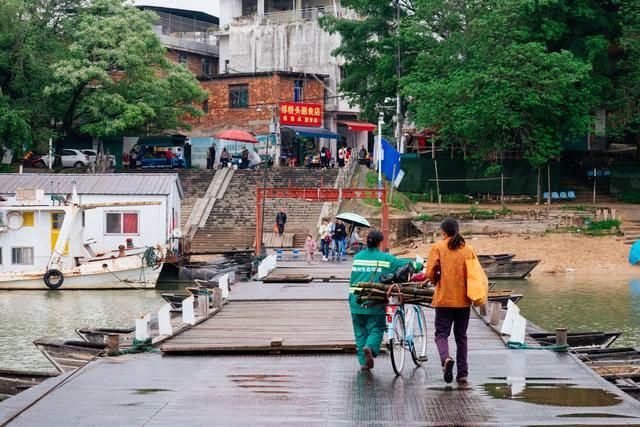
(270, 326)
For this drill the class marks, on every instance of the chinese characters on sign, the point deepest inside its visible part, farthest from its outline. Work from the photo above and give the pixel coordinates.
(295, 113)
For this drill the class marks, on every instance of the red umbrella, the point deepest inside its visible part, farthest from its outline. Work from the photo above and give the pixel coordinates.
(237, 135)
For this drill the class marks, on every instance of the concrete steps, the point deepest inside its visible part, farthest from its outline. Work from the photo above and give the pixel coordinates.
(231, 222)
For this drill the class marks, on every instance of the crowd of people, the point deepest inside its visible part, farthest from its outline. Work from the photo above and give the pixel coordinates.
(134, 158)
(334, 241)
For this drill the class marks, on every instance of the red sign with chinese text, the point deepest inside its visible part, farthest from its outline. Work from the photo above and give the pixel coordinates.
(298, 114)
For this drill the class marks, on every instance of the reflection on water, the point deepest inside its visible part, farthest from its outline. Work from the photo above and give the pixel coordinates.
(581, 304)
(28, 315)
(552, 394)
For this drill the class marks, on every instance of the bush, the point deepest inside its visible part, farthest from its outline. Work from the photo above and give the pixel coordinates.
(372, 179)
(579, 208)
(604, 225)
(455, 198)
(423, 217)
(418, 197)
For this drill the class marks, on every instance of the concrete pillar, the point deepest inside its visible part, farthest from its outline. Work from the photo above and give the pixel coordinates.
(260, 7)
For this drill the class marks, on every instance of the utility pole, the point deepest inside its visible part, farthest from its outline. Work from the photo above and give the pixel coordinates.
(379, 159)
(398, 99)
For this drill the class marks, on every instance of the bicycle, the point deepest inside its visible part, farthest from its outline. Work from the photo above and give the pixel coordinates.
(399, 321)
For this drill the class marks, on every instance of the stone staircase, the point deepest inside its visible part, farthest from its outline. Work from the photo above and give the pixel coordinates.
(204, 205)
(631, 231)
(231, 222)
(194, 184)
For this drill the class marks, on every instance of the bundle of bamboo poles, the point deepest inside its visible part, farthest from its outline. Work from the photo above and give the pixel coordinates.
(377, 293)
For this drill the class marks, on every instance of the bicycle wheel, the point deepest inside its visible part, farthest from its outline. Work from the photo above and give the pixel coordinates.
(396, 343)
(419, 332)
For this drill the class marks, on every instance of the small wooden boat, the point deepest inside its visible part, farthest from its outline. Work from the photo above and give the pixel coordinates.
(508, 269)
(504, 298)
(287, 278)
(99, 335)
(13, 382)
(580, 339)
(175, 299)
(66, 355)
(496, 257)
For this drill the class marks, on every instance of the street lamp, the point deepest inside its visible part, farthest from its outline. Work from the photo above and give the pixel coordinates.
(380, 123)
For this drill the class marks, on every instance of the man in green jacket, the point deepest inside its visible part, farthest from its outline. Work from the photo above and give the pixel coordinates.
(369, 322)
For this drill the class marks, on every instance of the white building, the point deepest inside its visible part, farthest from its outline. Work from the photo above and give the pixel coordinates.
(285, 35)
(29, 233)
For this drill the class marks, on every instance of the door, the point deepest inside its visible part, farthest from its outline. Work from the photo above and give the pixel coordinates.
(57, 218)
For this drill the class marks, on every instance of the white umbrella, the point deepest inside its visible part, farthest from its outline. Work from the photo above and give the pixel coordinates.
(355, 219)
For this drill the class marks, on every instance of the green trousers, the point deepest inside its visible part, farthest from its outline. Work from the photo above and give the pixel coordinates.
(368, 330)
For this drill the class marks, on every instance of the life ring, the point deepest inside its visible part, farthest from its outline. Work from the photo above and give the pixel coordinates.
(15, 220)
(53, 273)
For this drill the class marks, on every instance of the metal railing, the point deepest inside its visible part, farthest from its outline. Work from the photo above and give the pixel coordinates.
(186, 28)
(297, 15)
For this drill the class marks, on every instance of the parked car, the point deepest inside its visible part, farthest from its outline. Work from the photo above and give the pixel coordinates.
(93, 155)
(70, 158)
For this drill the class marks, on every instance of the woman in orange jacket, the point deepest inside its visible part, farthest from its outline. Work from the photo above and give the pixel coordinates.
(447, 270)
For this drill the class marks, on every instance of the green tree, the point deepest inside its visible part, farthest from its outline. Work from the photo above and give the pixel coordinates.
(31, 38)
(625, 119)
(369, 50)
(116, 77)
(491, 88)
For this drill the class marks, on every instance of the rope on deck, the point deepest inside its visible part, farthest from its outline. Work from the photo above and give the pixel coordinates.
(563, 348)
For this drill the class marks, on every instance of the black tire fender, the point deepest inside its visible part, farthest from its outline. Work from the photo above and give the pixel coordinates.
(53, 273)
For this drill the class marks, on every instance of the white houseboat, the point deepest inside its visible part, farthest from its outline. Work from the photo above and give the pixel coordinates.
(68, 231)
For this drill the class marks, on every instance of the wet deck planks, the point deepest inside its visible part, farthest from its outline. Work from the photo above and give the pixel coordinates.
(270, 326)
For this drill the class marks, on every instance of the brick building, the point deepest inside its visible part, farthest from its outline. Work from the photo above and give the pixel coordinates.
(251, 102)
(242, 101)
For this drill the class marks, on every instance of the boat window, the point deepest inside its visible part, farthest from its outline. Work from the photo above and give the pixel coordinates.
(27, 219)
(22, 256)
(121, 223)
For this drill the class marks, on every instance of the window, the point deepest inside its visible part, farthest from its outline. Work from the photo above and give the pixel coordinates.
(0, 255)
(298, 90)
(121, 223)
(27, 219)
(183, 59)
(205, 106)
(22, 256)
(239, 96)
(68, 153)
(206, 67)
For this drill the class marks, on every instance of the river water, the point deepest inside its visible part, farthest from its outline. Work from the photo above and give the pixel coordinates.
(597, 303)
(581, 304)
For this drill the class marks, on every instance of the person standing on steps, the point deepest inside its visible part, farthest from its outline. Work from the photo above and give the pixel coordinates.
(281, 220)
(446, 268)
(325, 239)
(369, 322)
(340, 234)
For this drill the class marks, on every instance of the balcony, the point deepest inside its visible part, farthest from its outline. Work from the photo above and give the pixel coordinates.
(309, 14)
(182, 30)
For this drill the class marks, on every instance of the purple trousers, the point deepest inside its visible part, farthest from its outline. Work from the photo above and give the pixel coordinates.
(459, 319)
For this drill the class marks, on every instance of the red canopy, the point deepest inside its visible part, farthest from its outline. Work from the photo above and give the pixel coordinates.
(236, 135)
(354, 125)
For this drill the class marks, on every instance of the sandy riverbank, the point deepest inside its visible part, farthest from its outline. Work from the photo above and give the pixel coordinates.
(559, 253)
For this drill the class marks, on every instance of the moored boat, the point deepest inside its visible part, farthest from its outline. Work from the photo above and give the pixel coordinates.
(14, 381)
(508, 269)
(580, 340)
(67, 355)
(496, 257)
(99, 335)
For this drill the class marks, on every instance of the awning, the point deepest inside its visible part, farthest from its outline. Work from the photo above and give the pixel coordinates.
(311, 131)
(354, 125)
(161, 141)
